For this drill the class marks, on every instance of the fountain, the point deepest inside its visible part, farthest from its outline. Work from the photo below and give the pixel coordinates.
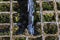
(30, 17)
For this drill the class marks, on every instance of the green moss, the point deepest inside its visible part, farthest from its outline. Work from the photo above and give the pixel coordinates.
(58, 6)
(50, 28)
(4, 7)
(4, 18)
(51, 38)
(47, 6)
(20, 39)
(49, 17)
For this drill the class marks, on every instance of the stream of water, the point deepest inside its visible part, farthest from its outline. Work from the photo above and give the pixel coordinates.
(31, 17)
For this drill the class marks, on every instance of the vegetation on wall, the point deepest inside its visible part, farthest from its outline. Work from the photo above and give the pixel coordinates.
(58, 16)
(20, 38)
(4, 7)
(51, 38)
(4, 30)
(4, 18)
(58, 5)
(48, 5)
(38, 29)
(5, 38)
(50, 28)
(48, 17)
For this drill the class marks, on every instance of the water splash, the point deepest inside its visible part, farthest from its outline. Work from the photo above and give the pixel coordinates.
(27, 38)
(31, 17)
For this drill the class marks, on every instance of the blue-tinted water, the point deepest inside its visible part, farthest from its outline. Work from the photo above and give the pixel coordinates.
(31, 17)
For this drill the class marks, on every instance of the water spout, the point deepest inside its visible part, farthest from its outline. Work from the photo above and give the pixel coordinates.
(31, 17)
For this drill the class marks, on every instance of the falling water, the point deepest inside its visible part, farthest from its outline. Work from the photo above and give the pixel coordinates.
(31, 17)
(27, 38)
